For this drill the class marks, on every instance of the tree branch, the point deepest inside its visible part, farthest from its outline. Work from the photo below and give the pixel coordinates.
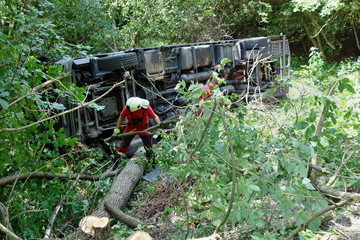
(321, 122)
(318, 168)
(334, 177)
(215, 236)
(318, 214)
(231, 200)
(322, 118)
(190, 157)
(120, 215)
(331, 192)
(355, 34)
(37, 88)
(48, 175)
(4, 217)
(9, 233)
(53, 217)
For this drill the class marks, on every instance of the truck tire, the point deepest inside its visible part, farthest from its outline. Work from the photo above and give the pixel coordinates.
(255, 54)
(254, 43)
(117, 61)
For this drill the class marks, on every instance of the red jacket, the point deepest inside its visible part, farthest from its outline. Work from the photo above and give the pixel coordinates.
(207, 94)
(138, 120)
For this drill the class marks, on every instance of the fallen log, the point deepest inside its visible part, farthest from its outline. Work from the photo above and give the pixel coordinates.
(122, 186)
(118, 195)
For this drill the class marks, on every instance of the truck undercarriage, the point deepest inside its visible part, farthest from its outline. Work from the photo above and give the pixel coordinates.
(258, 65)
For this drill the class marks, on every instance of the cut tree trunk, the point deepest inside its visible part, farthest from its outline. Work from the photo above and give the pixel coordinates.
(122, 187)
(118, 195)
(97, 228)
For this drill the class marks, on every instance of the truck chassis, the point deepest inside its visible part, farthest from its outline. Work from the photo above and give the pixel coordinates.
(258, 65)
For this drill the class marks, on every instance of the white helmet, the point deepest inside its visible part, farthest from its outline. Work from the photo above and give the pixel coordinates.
(135, 103)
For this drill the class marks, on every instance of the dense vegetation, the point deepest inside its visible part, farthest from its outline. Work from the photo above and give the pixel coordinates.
(247, 169)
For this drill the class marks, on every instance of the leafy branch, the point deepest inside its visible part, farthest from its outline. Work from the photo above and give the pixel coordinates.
(233, 184)
(36, 89)
(323, 188)
(318, 214)
(62, 113)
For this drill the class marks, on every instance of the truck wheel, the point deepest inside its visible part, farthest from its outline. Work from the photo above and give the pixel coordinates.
(254, 43)
(255, 54)
(117, 61)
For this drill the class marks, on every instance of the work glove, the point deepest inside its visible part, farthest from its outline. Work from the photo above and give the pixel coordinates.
(116, 131)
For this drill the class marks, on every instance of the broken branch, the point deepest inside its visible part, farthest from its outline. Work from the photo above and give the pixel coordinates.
(121, 216)
(48, 175)
(37, 88)
(9, 233)
(318, 214)
(334, 177)
(318, 168)
(52, 219)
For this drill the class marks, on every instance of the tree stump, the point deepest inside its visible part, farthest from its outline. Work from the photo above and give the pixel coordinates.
(140, 235)
(95, 227)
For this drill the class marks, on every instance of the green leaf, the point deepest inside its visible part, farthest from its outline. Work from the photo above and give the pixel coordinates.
(310, 131)
(315, 224)
(324, 141)
(301, 217)
(312, 116)
(344, 84)
(4, 94)
(287, 107)
(3, 104)
(341, 87)
(333, 119)
(3, 70)
(301, 170)
(254, 187)
(301, 125)
(216, 222)
(349, 88)
(306, 181)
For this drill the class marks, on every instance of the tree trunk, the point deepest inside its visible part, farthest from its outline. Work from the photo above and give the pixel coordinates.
(122, 186)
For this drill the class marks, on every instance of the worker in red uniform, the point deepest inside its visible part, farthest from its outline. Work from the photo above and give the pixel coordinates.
(217, 79)
(137, 112)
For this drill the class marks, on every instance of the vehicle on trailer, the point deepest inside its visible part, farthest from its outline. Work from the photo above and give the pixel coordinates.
(258, 65)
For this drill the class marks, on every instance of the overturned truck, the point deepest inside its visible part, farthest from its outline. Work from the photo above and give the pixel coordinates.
(258, 65)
